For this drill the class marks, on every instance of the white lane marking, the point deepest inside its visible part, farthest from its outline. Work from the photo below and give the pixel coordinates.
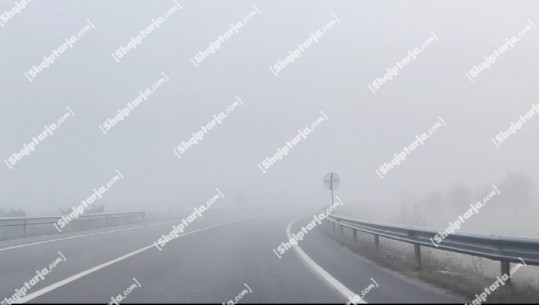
(323, 274)
(77, 236)
(84, 273)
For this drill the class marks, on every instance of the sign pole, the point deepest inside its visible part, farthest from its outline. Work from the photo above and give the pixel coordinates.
(331, 182)
(331, 187)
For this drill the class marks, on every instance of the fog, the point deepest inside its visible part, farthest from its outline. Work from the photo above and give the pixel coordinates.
(362, 131)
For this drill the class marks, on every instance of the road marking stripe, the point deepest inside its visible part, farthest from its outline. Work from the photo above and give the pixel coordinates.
(84, 273)
(77, 236)
(321, 273)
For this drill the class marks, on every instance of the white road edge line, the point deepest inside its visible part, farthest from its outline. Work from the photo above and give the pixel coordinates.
(321, 273)
(77, 236)
(91, 270)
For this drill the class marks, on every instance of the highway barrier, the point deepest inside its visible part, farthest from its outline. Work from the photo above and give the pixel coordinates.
(107, 217)
(506, 249)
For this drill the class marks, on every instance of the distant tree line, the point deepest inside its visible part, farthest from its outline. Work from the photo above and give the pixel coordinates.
(90, 210)
(22, 213)
(517, 191)
(12, 213)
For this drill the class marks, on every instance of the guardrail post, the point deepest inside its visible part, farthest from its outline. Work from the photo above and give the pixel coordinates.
(25, 229)
(417, 256)
(507, 250)
(505, 265)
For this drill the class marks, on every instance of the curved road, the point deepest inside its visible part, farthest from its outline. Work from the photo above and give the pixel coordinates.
(216, 260)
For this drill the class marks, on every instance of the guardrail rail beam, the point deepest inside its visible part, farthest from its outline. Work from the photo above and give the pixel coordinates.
(503, 248)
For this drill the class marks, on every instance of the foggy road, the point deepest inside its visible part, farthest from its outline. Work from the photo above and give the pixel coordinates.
(215, 260)
(177, 151)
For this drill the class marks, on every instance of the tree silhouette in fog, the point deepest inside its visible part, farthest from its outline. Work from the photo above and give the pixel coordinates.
(516, 191)
(12, 213)
(459, 197)
(90, 210)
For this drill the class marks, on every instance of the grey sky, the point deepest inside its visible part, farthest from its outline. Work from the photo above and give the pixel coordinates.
(363, 131)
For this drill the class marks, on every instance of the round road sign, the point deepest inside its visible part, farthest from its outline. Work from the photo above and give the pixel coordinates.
(332, 181)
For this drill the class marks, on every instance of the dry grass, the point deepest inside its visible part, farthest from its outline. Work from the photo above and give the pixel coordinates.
(447, 274)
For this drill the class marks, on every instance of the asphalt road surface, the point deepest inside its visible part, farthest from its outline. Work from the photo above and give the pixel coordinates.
(218, 259)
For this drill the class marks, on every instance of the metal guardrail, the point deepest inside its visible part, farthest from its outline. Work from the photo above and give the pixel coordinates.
(506, 249)
(25, 221)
